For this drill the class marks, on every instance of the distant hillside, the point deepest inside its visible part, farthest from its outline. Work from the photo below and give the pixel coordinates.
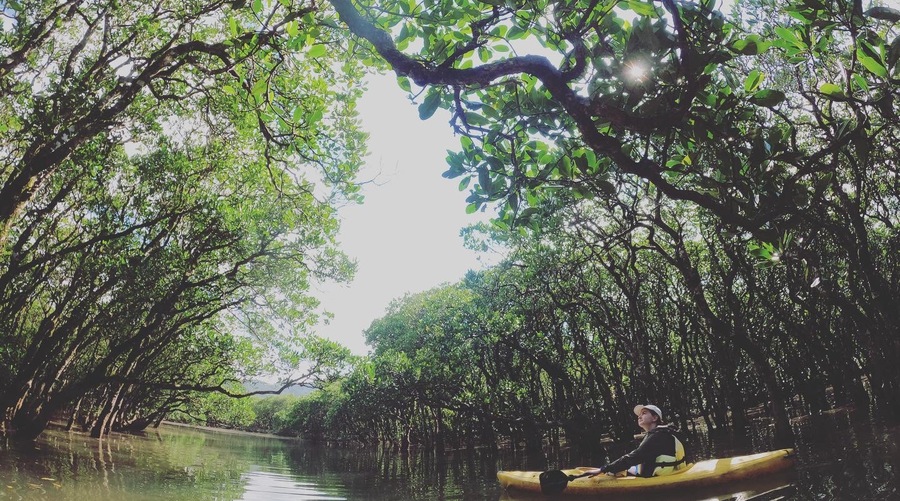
(298, 391)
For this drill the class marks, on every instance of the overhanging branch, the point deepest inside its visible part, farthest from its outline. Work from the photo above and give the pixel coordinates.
(556, 82)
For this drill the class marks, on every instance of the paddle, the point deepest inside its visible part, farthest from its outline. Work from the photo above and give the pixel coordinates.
(554, 481)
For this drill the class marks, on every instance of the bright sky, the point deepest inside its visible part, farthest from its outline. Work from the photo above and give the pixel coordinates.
(405, 237)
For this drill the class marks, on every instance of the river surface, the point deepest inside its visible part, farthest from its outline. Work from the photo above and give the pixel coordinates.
(839, 456)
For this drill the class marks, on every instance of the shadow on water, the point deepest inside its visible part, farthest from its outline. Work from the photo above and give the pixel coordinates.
(845, 455)
(840, 456)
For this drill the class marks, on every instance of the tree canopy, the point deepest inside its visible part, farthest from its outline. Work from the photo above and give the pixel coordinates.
(708, 193)
(700, 207)
(722, 113)
(169, 178)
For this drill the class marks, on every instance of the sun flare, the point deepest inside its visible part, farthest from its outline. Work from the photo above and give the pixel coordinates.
(636, 71)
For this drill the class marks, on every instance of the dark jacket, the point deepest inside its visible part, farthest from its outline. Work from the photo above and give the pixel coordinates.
(660, 441)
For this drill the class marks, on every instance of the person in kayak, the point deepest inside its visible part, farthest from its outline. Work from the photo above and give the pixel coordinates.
(660, 453)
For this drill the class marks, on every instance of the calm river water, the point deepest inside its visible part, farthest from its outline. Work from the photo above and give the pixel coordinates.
(839, 457)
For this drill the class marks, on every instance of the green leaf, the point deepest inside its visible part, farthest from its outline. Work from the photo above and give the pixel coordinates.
(753, 80)
(750, 46)
(516, 33)
(495, 164)
(475, 119)
(870, 59)
(404, 83)
(789, 36)
(832, 91)
(259, 88)
(860, 82)
(641, 8)
(484, 179)
(768, 98)
(455, 170)
(429, 106)
(894, 52)
(292, 29)
(472, 208)
(884, 14)
(297, 115)
(317, 50)
(582, 163)
(565, 167)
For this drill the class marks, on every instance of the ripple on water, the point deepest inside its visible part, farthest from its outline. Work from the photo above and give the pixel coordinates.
(262, 485)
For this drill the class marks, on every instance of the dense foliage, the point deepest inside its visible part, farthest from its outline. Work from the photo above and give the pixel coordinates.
(168, 178)
(591, 315)
(711, 206)
(700, 210)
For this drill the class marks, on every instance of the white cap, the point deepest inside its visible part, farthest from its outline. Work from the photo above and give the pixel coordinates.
(649, 407)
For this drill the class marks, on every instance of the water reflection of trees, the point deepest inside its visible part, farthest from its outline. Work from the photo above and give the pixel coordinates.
(841, 456)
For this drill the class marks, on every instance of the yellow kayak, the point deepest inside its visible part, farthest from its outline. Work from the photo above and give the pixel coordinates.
(711, 472)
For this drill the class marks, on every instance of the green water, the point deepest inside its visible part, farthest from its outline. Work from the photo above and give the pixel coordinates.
(839, 457)
(177, 463)
(170, 464)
